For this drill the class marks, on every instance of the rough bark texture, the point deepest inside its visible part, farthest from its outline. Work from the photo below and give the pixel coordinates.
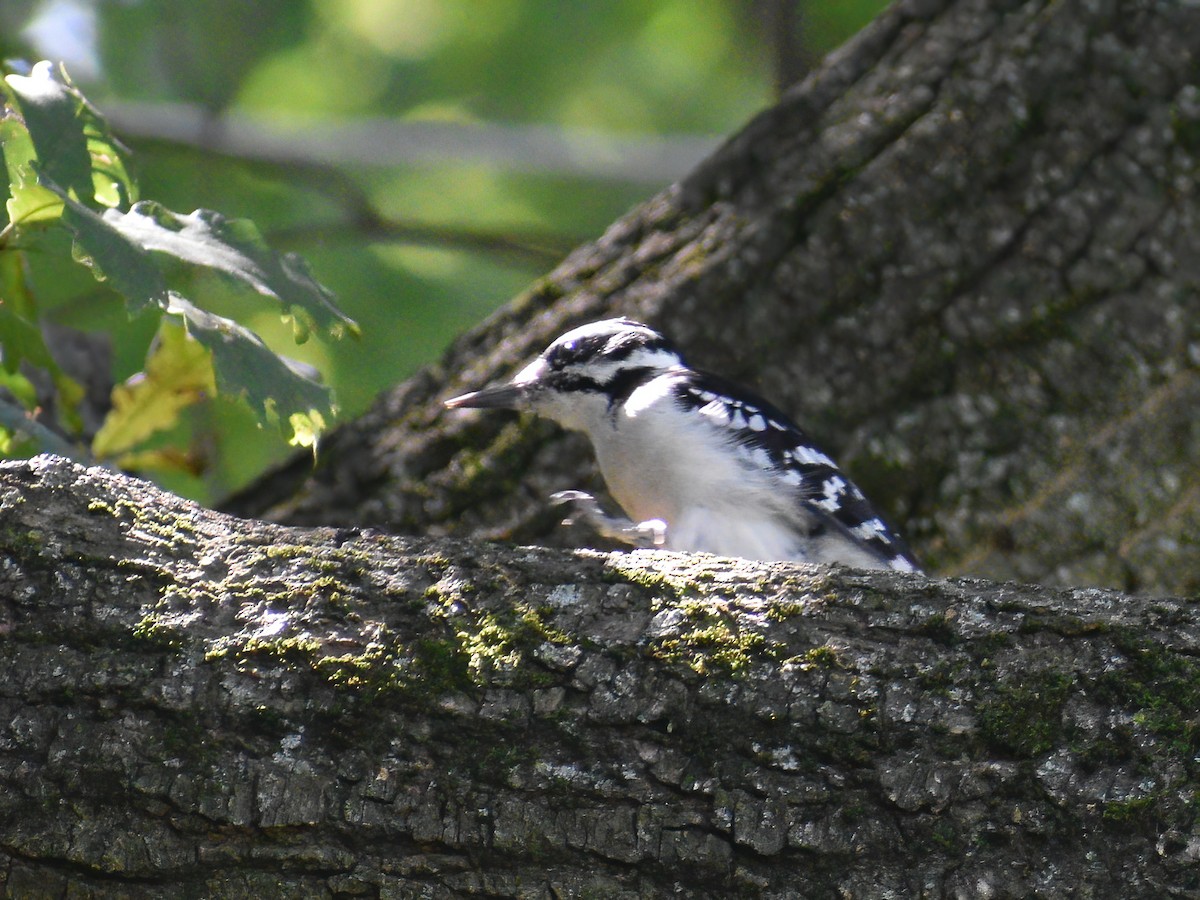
(962, 251)
(196, 705)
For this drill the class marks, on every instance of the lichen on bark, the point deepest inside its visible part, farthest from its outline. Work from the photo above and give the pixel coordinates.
(194, 703)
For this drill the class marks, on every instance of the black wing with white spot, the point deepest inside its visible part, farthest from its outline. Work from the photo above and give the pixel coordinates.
(771, 440)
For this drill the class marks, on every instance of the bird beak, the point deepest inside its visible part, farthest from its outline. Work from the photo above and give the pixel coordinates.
(499, 396)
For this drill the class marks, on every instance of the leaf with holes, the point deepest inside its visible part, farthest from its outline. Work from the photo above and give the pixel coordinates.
(28, 202)
(275, 387)
(51, 110)
(70, 142)
(113, 256)
(235, 248)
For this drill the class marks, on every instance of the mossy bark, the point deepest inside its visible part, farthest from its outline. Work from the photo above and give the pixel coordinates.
(962, 252)
(196, 705)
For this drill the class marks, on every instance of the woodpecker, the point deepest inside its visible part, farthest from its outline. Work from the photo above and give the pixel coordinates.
(697, 463)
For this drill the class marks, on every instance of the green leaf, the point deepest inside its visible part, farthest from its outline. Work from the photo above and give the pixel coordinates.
(28, 202)
(52, 110)
(14, 286)
(178, 373)
(275, 387)
(112, 256)
(198, 354)
(31, 203)
(20, 387)
(22, 341)
(112, 183)
(67, 138)
(306, 429)
(14, 442)
(235, 248)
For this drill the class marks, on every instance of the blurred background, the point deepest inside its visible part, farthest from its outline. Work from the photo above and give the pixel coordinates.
(430, 158)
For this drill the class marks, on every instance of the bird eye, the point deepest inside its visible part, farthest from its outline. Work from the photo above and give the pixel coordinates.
(562, 354)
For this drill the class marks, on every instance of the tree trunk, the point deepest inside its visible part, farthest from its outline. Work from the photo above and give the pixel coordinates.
(963, 253)
(196, 705)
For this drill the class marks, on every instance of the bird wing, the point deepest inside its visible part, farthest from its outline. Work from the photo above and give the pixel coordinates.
(770, 439)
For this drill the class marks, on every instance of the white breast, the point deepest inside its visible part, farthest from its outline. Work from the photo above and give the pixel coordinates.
(660, 462)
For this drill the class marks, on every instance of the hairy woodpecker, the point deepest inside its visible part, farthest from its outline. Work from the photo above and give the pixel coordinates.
(699, 464)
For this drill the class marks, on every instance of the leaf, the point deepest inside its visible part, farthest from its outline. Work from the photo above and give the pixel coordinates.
(163, 459)
(13, 443)
(16, 303)
(178, 373)
(20, 387)
(22, 341)
(112, 183)
(52, 111)
(68, 138)
(306, 429)
(235, 248)
(112, 256)
(243, 365)
(274, 386)
(28, 202)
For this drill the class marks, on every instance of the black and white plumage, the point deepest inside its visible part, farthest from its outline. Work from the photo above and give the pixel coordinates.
(697, 463)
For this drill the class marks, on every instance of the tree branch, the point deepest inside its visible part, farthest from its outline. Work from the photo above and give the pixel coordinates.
(195, 704)
(639, 159)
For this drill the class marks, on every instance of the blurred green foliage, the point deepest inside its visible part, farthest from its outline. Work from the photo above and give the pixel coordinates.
(65, 174)
(404, 249)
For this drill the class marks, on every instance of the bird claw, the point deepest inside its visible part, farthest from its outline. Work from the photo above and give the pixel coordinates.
(585, 508)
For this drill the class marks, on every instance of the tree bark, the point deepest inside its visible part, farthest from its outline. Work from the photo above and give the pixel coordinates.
(963, 248)
(196, 705)
(962, 251)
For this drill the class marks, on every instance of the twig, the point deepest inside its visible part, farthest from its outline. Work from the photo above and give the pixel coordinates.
(15, 418)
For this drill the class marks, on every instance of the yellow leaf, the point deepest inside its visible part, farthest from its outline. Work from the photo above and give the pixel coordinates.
(306, 429)
(178, 373)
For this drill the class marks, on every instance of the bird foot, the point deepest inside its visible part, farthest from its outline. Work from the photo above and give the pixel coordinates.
(585, 508)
